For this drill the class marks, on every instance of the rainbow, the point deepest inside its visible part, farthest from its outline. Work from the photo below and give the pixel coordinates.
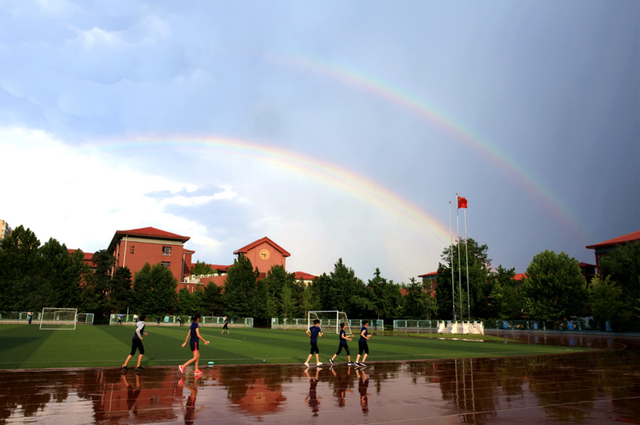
(397, 95)
(307, 167)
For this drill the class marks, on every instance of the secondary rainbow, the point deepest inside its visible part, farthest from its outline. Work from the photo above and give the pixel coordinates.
(447, 124)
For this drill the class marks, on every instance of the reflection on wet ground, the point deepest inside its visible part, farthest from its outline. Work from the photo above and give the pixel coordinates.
(587, 388)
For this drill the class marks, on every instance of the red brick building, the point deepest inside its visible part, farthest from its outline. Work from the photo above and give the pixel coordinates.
(602, 248)
(134, 248)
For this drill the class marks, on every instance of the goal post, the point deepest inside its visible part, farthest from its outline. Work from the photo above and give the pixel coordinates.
(329, 319)
(63, 319)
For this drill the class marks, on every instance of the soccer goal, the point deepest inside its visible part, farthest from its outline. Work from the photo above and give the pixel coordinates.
(58, 319)
(330, 319)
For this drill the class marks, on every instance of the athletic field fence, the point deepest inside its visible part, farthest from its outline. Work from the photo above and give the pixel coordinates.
(172, 320)
(22, 317)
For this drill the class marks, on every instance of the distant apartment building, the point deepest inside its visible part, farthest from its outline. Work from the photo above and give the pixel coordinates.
(5, 231)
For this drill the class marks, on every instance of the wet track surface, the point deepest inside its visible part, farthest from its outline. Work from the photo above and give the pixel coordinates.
(588, 388)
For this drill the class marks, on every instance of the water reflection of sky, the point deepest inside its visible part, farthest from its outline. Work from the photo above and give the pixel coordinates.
(577, 388)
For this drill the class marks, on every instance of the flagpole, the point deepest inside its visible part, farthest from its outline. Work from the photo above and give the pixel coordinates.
(453, 296)
(466, 244)
(459, 266)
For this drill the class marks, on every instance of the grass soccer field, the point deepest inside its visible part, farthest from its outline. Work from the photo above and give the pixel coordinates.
(24, 346)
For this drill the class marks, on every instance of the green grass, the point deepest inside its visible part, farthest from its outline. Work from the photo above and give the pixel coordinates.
(23, 346)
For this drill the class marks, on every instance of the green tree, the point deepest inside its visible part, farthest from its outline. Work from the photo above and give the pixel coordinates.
(239, 288)
(386, 297)
(120, 290)
(154, 290)
(506, 300)
(621, 266)
(20, 264)
(479, 284)
(554, 288)
(342, 290)
(186, 303)
(277, 280)
(607, 303)
(212, 300)
(63, 271)
(202, 268)
(414, 301)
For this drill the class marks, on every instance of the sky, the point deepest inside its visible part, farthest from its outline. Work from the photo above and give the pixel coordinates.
(338, 129)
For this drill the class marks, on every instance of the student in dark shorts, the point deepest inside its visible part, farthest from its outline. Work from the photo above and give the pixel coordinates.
(225, 326)
(344, 339)
(136, 344)
(363, 347)
(193, 336)
(314, 332)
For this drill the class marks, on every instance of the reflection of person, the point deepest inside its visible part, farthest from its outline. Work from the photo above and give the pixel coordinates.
(363, 385)
(136, 343)
(30, 316)
(343, 382)
(225, 326)
(190, 406)
(132, 395)
(312, 399)
(363, 347)
(194, 340)
(344, 339)
(314, 332)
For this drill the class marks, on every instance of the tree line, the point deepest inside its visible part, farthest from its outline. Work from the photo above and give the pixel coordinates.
(33, 276)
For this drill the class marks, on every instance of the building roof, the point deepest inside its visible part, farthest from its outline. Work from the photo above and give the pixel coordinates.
(519, 276)
(303, 276)
(252, 245)
(146, 232)
(630, 237)
(429, 274)
(581, 265)
(88, 256)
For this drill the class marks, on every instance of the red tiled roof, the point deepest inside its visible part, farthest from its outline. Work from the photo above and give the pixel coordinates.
(152, 232)
(586, 265)
(145, 232)
(303, 276)
(88, 256)
(252, 245)
(634, 236)
(220, 267)
(429, 274)
(519, 276)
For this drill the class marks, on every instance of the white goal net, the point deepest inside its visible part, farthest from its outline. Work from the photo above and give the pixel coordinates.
(54, 319)
(330, 320)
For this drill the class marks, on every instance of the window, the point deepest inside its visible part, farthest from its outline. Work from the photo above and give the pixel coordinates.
(166, 250)
(166, 264)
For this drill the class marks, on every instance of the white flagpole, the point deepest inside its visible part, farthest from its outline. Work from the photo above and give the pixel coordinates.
(467, 249)
(459, 266)
(453, 296)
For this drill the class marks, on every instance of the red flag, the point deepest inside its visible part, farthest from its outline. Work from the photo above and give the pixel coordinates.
(462, 202)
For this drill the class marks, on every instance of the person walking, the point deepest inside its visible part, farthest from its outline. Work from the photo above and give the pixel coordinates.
(193, 336)
(314, 332)
(363, 346)
(225, 326)
(136, 344)
(343, 345)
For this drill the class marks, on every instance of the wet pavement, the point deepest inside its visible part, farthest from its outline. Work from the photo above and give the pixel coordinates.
(587, 388)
